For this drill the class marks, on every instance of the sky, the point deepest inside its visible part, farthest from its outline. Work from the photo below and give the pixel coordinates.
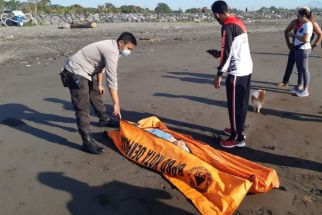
(185, 4)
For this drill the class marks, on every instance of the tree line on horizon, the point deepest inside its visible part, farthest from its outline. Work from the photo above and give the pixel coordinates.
(46, 7)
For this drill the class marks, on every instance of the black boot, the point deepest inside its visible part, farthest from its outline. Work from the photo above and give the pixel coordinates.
(103, 122)
(108, 122)
(90, 145)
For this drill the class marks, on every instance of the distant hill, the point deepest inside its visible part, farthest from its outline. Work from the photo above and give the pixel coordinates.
(315, 4)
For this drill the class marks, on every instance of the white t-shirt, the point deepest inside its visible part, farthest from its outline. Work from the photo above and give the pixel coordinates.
(307, 28)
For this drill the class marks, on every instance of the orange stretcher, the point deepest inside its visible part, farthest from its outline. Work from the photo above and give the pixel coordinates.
(215, 181)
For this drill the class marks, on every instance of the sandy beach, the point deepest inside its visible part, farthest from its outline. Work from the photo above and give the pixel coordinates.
(43, 170)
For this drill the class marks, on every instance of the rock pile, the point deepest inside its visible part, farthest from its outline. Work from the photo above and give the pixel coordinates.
(121, 18)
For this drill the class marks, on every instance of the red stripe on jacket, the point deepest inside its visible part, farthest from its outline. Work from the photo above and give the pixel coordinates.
(236, 21)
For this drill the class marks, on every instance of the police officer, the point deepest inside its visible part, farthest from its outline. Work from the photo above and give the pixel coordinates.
(83, 75)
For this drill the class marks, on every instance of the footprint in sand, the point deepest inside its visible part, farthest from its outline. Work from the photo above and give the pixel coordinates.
(269, 147)
(264, 211)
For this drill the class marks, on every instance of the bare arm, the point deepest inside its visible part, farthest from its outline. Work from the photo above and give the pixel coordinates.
(115, 98)
(99, 78)
(101, 88)
(111, 61)
(317, 30)
(288, 29)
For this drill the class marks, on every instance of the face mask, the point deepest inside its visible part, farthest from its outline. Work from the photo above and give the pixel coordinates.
(125, 52)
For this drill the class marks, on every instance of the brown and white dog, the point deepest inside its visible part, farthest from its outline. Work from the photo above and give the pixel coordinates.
(258, 99)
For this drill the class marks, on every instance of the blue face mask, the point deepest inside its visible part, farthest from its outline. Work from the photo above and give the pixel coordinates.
(125, 52)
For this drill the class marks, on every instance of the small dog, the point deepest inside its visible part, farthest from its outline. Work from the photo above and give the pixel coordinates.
(258, 99)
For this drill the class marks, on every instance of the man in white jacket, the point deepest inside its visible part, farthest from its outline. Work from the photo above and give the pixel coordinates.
(237, 62)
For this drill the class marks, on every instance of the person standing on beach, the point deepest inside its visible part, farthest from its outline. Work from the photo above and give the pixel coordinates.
(79, 76)
(294, 26)
(235, 59)
(302, 49)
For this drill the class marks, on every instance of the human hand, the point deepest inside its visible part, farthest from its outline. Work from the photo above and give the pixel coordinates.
(314, 46)
(101, 90)
(215, 53)
(117, 111)
(217, 82)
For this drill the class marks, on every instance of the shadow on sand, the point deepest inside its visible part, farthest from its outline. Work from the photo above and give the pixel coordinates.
(202, 78)
(115, 197)
(279, 54)
(17, 117)
(265, 111)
